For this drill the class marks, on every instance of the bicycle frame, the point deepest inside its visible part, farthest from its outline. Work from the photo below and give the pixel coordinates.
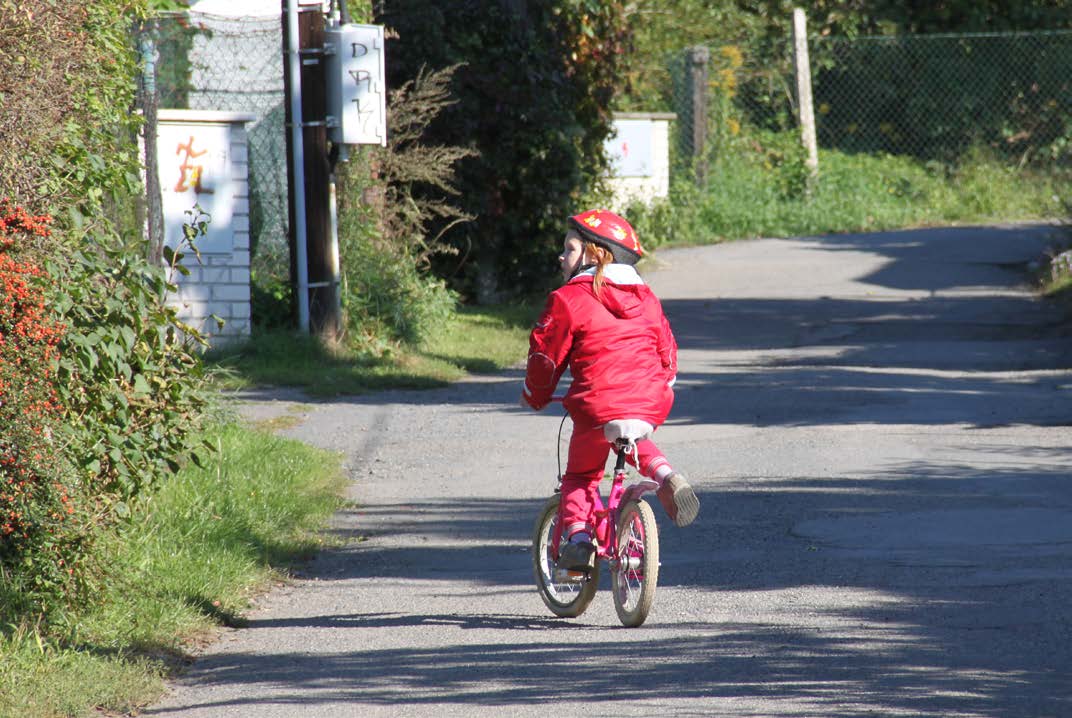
(607, 516)
(626, 538)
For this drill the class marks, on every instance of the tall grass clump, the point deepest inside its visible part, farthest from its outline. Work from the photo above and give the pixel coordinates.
(194, 551)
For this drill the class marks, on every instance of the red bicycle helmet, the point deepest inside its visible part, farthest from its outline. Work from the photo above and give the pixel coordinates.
(611, 231)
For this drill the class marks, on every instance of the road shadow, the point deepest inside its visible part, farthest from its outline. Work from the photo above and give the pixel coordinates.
(964, 625)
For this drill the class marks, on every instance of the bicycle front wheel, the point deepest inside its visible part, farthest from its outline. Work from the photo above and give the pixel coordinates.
(637, 572)
(566, 595)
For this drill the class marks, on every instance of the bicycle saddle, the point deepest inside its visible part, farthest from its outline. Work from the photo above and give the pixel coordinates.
(627, 431)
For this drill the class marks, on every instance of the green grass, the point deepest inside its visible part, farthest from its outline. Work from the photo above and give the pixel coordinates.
(749, 195)
(42, 681)
(189, 560)
(865, 193)
(474, 339)
(483, 339)
(1062, 288)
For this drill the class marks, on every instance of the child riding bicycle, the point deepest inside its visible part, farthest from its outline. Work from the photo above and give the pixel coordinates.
(607, 327)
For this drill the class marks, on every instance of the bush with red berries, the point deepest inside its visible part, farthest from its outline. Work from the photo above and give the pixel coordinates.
(39, 512)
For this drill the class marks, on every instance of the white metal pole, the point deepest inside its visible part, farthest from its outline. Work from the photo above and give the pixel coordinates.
(296, 135)
(804, 102)
(336, 274)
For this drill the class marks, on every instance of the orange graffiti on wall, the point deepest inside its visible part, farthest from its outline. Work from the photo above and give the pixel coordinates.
(190, 174)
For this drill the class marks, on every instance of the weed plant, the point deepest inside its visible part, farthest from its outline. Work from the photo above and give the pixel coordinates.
(385, 226)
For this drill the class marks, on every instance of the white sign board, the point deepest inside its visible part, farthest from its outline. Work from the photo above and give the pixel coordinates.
(630, 149)
(357, 88)
(195, 169)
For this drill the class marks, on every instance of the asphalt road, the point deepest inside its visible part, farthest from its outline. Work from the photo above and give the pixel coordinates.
(878, 427)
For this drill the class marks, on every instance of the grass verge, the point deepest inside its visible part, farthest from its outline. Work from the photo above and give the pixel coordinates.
(1059, 289)
(474, 339)
(756, 192)
(189, 560)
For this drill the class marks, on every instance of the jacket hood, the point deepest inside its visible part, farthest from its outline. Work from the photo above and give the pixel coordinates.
(623, 290)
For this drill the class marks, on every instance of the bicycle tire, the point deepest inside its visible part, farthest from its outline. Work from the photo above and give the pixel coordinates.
(634, 580)
(565, 599)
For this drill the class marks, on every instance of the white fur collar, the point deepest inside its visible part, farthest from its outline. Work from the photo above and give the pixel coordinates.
(616, 274)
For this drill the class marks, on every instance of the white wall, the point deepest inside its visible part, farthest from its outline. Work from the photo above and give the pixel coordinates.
(639, 154)
(215, 175)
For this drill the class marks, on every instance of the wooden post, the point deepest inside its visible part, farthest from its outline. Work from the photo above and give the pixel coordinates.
(324, 319)
(805, 109)
(699, 58)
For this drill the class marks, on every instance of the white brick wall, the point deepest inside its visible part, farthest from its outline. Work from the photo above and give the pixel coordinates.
(220, 284)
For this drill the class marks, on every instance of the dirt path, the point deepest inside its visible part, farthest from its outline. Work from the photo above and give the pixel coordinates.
(878, 427)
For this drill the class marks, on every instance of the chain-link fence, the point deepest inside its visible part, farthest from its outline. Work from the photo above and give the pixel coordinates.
(932, 97)
(210, 62)
(720, 93)
(938, 96)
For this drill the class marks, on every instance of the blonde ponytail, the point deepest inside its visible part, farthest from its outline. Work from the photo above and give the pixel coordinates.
(600, 257)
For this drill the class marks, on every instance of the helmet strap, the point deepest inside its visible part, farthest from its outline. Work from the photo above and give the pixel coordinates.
(581, 268)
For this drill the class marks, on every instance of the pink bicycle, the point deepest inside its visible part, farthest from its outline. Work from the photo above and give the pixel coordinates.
(627, 540)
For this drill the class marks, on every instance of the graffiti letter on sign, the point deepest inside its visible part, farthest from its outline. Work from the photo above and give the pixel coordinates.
(190, 174)
(362, 76)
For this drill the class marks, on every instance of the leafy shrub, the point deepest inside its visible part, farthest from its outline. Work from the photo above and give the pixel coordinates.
(674, 220)
(95, 412)
(68, 118)
(270, 301)
(39, 532)
(131, 377)
(129, 383)
(387, 296)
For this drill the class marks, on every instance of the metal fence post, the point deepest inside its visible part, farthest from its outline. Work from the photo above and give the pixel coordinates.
(292, 77)
(805, 109)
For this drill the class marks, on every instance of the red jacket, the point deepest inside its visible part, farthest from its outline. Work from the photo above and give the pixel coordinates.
(618, 347)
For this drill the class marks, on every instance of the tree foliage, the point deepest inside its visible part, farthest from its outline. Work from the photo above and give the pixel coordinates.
(535, 86)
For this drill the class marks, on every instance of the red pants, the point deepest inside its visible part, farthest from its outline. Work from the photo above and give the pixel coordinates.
(588, 452)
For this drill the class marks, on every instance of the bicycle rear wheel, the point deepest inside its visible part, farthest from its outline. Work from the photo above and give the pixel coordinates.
(637, 572)
(566, 596)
